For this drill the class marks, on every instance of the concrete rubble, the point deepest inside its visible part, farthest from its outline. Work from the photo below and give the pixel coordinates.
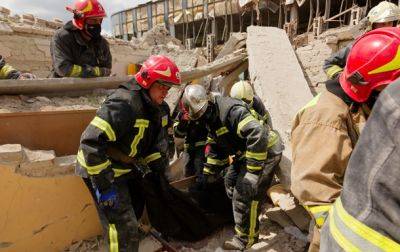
(278, 79)
(35, 163)
(282, 77)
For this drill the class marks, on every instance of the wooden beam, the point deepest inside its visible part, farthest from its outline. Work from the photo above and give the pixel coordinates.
(46, 86)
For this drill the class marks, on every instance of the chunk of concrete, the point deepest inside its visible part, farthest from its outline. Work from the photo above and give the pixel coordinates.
(279, 216)
(63, 166)
(11, 155)
(5, 11)
(279, 81)
(5, 28)
(37, 163)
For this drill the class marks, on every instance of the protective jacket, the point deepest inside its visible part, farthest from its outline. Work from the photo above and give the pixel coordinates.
(324, 134)
(128, 121)
(233, 130)
(194, 132)
(7, 71)
(336, 62)
(366, 217)
(263, 114)
(75, 57)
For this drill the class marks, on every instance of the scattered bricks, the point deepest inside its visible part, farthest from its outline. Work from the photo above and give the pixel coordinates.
(40, 22)
(28, 17)
(11, 155)
(64, 165)
(279, 216)
(37, 163)
(5, 29)
(5, 11)
(57, 20)
(53, 25)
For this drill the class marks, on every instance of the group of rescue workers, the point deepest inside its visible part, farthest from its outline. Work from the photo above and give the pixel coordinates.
(349, 184)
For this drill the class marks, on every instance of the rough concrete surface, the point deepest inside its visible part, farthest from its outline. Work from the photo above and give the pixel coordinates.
(278, 79)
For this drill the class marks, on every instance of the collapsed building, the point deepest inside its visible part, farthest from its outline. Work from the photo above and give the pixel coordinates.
(42, 120)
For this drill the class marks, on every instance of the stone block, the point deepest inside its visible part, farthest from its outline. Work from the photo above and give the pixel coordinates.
(11, 155)
(53, 25)
(28, 17)
(40, 22)
(64, 165)
(279, 216)
(58, 20)
(5, 29)
(5, 11)
(37, 163)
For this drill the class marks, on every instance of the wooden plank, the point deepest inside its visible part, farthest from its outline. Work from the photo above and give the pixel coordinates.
(40, 86)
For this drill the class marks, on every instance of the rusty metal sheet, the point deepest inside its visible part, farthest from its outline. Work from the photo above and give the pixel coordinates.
(48, 130)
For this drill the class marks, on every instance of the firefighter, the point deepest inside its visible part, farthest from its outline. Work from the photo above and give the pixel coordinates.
(242, 90)
(195, 135)
(385, 14)
(121, 144)
(233, 130)
(9, 72)
(366, 216)
(78, 49)
(326, 130)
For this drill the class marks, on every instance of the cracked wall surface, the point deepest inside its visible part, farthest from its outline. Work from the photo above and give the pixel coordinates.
(44, 214)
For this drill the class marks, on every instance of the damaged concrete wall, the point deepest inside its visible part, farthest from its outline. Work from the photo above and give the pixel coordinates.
(313, 51)
(44, 214)
(279, 81)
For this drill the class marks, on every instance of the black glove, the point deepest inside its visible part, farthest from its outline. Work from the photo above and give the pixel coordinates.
(104, 180)
(104, 71)
(230, 180)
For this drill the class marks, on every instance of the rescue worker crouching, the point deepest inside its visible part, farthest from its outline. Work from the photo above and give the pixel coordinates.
(326, 130)
(121, 143)
(78, 49)
(195, 135)
(385, 14)
(233, 130)
(9, 72)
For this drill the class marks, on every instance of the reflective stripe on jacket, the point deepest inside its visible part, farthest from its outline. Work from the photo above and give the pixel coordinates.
(234, 129)
(71, 54)
(128, 121)
(7, 71)
(335, 64)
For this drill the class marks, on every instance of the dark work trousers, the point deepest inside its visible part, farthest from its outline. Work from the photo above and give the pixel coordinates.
(120, 224)
(196, 161)
(247, 203)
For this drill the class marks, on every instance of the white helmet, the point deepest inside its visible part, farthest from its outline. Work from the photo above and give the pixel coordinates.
(195, 100)
(384, 12)
(242, 90)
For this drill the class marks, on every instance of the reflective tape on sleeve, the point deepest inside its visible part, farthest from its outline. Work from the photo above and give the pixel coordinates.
(244, 122)
(152, 157)
(104, 126)
(353, 235)
(76, 71)
(260, 156)
(91, 169)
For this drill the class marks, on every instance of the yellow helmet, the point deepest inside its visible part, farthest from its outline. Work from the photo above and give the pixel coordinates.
(242, 90)
(384, 12)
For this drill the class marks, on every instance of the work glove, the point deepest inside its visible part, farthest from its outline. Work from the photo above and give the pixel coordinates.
(249, 184)
(108, 198)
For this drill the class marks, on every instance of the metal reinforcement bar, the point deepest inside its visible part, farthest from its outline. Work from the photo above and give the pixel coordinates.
(46, 86)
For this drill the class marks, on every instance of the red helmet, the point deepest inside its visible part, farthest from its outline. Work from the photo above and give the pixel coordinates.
(84, 9)
(373, 61)
(158, 68)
